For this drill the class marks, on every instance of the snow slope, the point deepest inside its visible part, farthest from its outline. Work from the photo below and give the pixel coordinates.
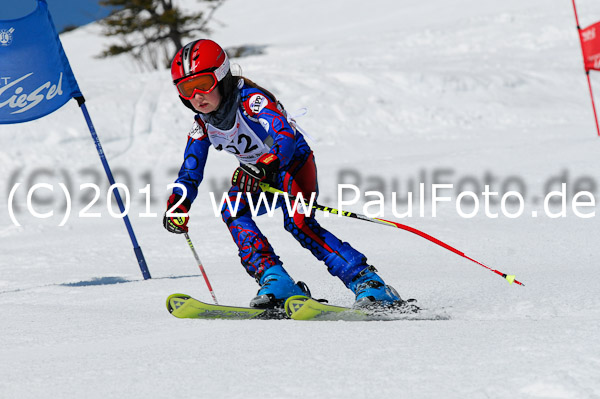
(398, 93)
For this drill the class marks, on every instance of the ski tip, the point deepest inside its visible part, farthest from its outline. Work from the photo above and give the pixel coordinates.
(510, 278)
(293, 303)
(180, 297)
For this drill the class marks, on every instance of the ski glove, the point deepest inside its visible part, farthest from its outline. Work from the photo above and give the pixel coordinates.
(249, 176)
(177, 224)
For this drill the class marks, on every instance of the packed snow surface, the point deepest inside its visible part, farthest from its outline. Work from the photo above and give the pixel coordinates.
(398, 93)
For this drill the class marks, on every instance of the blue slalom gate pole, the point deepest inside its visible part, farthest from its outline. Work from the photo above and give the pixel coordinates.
(136, 248)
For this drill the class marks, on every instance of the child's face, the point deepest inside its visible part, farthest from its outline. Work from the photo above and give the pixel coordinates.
(206, 103)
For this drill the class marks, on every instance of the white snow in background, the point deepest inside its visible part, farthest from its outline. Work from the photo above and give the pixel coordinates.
(394, 89)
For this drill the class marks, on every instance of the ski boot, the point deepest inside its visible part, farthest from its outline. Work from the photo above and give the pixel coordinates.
(372, 293)
(276, 286)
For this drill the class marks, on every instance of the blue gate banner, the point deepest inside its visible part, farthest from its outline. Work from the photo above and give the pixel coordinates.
(35, 76)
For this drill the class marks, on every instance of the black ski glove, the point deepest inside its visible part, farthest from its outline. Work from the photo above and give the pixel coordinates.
(249, 176)
(177, 224)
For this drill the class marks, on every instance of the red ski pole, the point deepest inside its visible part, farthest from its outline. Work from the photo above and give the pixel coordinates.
(187, 237)
(509, 277)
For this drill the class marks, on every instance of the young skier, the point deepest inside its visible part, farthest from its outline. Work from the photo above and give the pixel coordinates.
(235, 115)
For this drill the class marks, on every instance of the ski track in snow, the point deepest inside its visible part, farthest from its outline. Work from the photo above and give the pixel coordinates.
(394, 90)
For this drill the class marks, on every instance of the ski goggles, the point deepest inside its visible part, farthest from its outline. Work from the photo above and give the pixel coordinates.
(202, 83)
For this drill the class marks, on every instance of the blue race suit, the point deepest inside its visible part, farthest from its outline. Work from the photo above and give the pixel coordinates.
(261, 127)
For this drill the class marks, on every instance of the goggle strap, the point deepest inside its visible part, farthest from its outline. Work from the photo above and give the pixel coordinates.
(221, 71)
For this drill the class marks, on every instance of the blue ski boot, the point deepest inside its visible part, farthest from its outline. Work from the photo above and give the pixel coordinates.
(276, 286)
(371, 292)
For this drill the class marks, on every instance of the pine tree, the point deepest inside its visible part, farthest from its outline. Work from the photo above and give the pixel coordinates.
(153, 30)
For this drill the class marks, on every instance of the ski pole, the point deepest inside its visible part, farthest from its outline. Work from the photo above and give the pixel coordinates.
(187, 237)
(510, 278)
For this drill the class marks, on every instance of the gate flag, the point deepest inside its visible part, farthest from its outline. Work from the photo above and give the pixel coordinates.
(589, 38)
(590, 46)
(36, 79)
(35, 76)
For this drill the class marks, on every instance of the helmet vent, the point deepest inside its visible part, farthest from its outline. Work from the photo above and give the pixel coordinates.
(186, 58)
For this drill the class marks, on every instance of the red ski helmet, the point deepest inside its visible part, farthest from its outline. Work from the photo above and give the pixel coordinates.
(200, 56)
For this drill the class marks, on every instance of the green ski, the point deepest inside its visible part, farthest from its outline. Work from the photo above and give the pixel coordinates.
(303, 308)
(296, 307)
(185, 307)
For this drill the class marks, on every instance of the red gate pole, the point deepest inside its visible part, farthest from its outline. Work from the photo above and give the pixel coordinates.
(587, 71)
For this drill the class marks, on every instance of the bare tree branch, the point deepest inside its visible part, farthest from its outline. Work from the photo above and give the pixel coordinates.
(210, 14)
(148, 28)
